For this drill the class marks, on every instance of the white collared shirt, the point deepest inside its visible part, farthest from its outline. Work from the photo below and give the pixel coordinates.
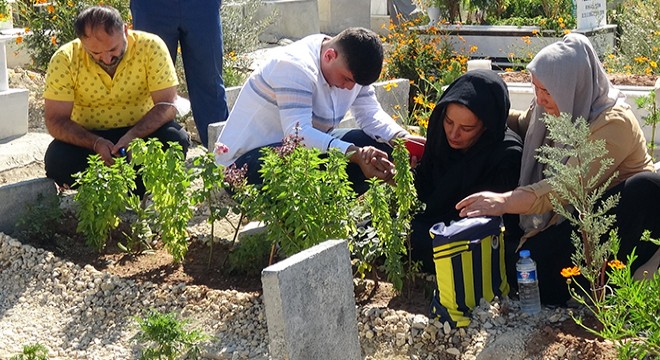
(289, 91)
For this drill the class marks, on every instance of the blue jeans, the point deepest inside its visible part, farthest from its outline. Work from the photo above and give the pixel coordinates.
(356, 136)
(195, 25)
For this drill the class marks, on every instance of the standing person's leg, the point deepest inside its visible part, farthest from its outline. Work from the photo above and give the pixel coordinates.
(360, 139)
(202, 50)
(162, 18)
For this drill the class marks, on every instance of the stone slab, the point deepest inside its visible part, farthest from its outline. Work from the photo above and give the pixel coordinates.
(295, 19)
(337, 15)
(22, 176)
(14, 107)
(15, 198)
(310, 306)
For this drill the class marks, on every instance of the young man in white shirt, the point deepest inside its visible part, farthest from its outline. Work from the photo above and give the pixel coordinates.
(308, 87)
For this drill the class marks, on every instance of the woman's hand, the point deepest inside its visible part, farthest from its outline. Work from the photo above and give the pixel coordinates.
(488, 203)
(483, 203)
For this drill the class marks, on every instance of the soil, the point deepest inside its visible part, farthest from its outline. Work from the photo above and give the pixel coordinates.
(157, 266)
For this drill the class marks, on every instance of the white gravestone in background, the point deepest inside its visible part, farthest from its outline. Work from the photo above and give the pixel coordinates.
(590, 14)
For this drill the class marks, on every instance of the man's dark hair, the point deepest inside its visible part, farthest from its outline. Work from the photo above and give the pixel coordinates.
(94, 17)
(363, 52)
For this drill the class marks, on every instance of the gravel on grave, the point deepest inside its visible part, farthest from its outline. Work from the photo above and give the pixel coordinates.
(81, 313)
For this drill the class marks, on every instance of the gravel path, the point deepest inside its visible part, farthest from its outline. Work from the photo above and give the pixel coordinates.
(81, 313)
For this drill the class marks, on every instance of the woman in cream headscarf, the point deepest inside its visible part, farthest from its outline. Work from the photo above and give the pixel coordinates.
(568, 78)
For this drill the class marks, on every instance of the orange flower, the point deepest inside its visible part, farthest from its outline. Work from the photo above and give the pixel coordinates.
(53, 40)
(616, 264)
(19, 39)
(570, 272)
(51, 9)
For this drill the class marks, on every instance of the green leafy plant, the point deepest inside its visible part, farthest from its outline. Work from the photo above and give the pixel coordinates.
(241, 28)
(40, 218)
(102, 195)
(167, 181)
(5, 11)
(305, 198)
(647, 103)
(392, 209)
(629, 314)
(571, 182)
(638, 50)
(212, 177)
(428, 62)
(167, 338)
(140, 236)
(51, 24)
(32, 352)
(250, 255)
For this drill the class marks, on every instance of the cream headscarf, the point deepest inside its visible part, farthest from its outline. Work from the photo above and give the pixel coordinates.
(571, 72)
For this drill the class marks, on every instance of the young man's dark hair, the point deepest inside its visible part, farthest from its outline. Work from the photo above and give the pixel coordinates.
(363, 52)
(98, 16)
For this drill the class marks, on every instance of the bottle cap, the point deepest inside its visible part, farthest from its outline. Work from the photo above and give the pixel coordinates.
(524, 253)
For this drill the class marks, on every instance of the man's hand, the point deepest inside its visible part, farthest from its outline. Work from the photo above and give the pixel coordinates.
(374, 163)
(103, 147)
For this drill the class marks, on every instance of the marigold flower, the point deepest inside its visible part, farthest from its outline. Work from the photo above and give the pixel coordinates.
(2, 17)
(653, 64)
(51, 9)
(616, 264)
(570, 272)
(19, 39)
(474, 48)
(566, 31)
(53, 40)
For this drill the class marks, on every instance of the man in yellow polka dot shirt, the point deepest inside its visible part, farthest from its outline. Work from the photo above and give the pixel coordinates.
(104, 89)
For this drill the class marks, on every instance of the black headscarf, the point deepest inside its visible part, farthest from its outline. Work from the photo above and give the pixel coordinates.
(444, 175)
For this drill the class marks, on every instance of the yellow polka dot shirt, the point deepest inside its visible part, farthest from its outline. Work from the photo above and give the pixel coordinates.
(101, 102)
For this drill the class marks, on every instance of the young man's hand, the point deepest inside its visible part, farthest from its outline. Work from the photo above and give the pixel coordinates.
(374, 163)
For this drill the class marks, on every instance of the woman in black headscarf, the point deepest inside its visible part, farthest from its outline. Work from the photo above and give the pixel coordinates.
(468, 149)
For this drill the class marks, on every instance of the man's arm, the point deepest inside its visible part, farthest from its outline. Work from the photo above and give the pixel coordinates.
(162, 112)
(61, 127)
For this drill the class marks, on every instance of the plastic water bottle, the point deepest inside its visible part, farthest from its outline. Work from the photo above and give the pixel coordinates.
(528, 284)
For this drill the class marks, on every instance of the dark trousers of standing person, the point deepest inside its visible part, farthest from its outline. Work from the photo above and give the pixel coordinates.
(62, 160)
(357, 137)
(195, 25)
(636, 211)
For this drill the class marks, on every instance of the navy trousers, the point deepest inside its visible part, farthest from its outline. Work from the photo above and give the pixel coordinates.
(356, 136)
(195, 25)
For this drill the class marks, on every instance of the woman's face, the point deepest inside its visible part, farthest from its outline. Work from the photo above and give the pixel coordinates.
(462, 127)
(543, 98)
